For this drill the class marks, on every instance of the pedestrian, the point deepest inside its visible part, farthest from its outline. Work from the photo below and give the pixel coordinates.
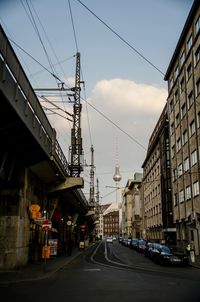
(188, 248)
(70, 245)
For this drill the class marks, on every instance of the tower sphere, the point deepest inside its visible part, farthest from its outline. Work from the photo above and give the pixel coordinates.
(117, 177)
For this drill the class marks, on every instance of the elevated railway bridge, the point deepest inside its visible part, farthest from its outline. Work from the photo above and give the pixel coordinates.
(35, 181)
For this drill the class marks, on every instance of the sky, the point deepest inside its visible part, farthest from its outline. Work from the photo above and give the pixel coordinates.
(125, 48)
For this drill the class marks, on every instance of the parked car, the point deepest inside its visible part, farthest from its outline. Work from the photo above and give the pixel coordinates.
(165, 256)
(120, 239)
(109, 239)
(126, 241)
(180, 253)
(140, 246)
(148, 246)
(133, 243)
(153, 250)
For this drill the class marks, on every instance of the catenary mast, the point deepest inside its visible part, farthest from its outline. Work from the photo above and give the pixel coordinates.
(76, 150)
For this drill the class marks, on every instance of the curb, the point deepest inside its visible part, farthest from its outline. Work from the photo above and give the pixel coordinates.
(43, 275)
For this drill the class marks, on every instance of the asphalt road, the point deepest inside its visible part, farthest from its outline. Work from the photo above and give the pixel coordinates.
(110, 273)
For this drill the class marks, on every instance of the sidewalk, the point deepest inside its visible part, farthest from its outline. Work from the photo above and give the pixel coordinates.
(38, 271)
(196, 263)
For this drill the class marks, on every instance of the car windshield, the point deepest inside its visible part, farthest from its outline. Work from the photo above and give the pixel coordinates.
(165, 249)
(141, 242)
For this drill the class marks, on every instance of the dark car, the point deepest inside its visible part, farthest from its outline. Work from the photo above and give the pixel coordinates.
(133, 243)
(126, 242)
(153, 250)
(147, 248)
(181, 254)
(140, 246)
(165, 256)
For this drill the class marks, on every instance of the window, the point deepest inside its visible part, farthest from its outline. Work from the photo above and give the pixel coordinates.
(198, 86)
(197, 25)
(194, 157)
(181, 196)
(189, 43)
(174, 174)
(178, 145)
(177, 120)
(182, 59)
(190, 99)
(172, 128)
(196, 188)
(198, 119)
(176, 96)
(176, 72)
(180, 169)
(192, 128)
(182, 85)
(189, 71)
(188, 192)
(175, 199)
(183, 110)
(186, 164)
(185, 137)
(173, 151)
(171, 105)
(171, 83)
(197, 55)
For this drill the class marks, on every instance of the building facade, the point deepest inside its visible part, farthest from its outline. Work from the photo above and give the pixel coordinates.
(131, 208)
(183, 76)
(156, 186)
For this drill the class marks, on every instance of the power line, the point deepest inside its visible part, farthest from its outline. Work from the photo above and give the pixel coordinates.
(57, 107)
(46, 108)
(35, 60)
(113, 123)
(70, 10)
(76, 43)
(122, 39)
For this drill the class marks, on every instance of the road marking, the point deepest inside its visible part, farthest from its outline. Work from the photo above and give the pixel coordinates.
(92, 269)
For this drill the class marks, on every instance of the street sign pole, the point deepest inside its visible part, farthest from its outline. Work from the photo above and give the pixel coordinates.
(45, 249)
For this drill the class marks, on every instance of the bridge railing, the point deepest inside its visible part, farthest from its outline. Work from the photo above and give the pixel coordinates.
(12, 64)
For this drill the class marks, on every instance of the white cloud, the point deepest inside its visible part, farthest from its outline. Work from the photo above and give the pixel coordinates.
(129, 96)
(135, 108)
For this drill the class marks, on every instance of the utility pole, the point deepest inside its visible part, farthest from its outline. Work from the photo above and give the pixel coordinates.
(92, 200)
(76, 150)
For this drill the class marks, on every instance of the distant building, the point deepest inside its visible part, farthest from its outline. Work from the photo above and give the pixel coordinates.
(183, 76)
(131, 208)
(100, 227)
(111, 220)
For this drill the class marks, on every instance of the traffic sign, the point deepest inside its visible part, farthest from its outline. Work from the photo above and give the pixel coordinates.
(47, 225)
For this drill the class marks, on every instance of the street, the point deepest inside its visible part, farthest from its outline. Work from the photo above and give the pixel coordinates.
(110, 272)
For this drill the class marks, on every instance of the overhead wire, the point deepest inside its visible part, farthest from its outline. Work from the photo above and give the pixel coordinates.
(77, 49)
(33, 22)
(118, 127)
(101, 113)
(121, 38)
(46, 108)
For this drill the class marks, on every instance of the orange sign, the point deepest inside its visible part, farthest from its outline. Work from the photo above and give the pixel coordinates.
(46, 251)
(34, 208)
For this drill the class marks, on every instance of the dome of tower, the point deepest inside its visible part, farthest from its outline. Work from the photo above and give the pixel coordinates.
(117, 177)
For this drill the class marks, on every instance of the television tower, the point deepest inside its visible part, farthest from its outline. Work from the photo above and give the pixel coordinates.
(117, 178)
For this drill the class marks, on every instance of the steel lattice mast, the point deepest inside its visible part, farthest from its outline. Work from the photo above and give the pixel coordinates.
(92, 199)
(76, 149)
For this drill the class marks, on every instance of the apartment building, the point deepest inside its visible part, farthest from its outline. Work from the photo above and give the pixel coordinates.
(183, 76)
(111, 220)
(131, 208)
(156, 185)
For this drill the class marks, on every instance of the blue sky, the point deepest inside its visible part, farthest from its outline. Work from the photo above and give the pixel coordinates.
(119, 83)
